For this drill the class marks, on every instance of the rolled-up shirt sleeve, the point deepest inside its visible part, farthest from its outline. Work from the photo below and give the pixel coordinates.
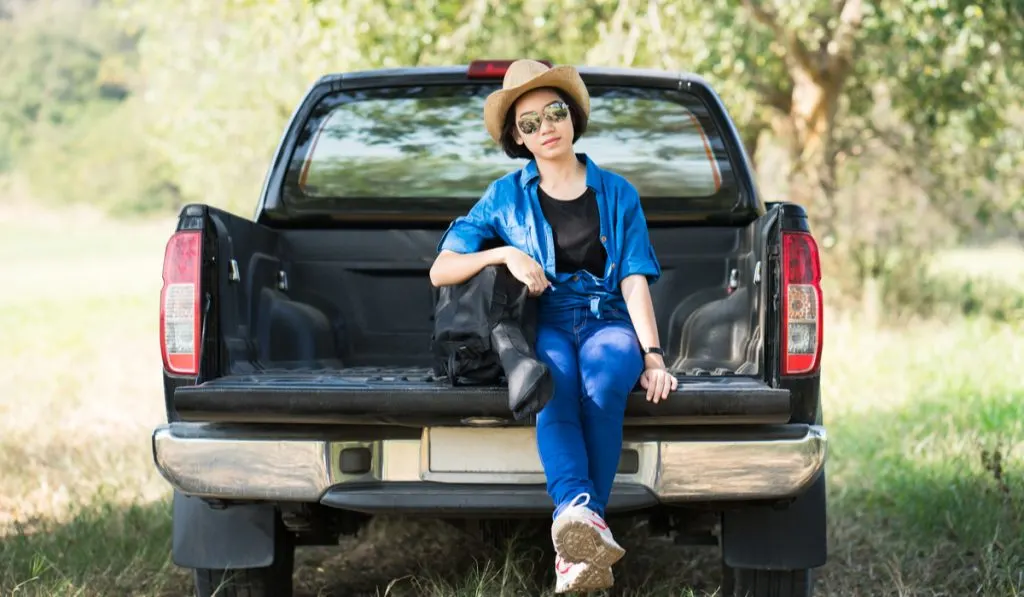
(469, 233)
(638, 253)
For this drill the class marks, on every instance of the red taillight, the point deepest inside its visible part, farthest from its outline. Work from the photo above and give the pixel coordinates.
(801, 313)
(179, 304)
(492, 69)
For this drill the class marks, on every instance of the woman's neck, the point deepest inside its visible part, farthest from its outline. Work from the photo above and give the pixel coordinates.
(560, 173)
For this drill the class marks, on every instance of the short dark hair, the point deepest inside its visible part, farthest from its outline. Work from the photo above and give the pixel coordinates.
(508, 138)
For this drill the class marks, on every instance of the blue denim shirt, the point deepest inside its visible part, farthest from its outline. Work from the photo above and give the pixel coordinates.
(510, 210)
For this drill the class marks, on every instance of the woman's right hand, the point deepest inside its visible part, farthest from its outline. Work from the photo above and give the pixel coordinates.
(526, 270)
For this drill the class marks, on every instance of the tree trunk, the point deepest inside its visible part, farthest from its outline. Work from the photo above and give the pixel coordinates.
(871, 300)
(816, 78)
(812, 175)
(751, 137)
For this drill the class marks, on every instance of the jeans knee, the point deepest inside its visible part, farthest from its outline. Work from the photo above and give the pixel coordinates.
(608, 385)
(608, 406)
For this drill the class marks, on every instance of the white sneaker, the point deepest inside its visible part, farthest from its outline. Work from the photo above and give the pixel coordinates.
(581, 576)
(581, 535)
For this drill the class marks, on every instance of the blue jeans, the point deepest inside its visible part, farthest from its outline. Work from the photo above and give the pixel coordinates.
(595, 364)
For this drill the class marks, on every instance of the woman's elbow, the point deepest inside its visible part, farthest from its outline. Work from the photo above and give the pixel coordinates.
(633, 281)
(435, 276)
(437, 271)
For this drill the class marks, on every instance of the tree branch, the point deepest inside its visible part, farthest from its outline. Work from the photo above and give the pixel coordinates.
(751, 136)
(614, 44)
(471, 16)
(795, 49)
(658, 34)
(619, 18)
(780, 99)
(840, 47)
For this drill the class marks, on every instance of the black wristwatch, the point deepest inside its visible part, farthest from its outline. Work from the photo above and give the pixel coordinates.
(653, 350)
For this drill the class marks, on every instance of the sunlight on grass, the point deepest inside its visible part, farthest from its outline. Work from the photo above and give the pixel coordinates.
(927, 459)
(80, 354)
(867, 370)
(1003, 262)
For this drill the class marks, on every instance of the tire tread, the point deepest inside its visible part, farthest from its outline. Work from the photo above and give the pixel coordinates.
(766, 583)
(274, 580)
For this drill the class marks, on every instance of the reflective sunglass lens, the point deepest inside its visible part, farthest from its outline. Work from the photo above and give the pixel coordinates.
(556, 112)
(529, 123)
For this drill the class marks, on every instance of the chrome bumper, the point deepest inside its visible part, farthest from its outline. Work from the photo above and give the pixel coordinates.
(207, 461)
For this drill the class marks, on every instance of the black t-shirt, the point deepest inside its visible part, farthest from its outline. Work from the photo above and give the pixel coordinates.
(576, 226)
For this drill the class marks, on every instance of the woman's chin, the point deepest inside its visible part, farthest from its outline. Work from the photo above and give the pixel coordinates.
(556, 150)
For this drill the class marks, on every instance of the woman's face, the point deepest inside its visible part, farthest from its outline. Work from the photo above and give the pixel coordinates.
(543, 124)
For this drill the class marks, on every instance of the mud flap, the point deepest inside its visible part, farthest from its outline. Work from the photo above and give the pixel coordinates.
(772, 538)
(235, 537)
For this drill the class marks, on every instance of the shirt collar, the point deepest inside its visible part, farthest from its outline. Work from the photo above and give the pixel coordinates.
(531, 173)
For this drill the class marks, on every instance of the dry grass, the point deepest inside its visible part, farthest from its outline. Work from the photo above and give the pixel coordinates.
(926, 476)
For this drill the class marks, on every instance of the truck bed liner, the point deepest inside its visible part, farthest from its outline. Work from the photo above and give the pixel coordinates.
(367, 395)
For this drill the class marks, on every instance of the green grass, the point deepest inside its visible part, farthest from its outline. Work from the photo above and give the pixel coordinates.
(104, 549)
(926, 473)
(927, 462)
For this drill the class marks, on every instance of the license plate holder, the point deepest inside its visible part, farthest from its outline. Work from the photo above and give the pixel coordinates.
(491, 455)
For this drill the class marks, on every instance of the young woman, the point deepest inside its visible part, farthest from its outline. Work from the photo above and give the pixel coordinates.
(576, 236)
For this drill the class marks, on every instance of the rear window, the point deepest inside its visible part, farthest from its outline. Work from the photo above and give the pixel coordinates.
(419, 145)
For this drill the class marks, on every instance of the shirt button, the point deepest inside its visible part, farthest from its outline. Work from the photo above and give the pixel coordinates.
(613, 266)
(575, 278)
(604, 239)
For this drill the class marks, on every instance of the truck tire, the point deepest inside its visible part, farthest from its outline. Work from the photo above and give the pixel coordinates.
(741, 582)
(274, 580)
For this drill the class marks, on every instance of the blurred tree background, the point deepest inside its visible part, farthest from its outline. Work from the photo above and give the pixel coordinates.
(898, 123)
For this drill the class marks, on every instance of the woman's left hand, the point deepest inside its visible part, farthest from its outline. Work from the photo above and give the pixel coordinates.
(658, 382)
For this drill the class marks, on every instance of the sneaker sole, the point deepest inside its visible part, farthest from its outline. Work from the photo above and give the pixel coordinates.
(577, 541)
(591, 579)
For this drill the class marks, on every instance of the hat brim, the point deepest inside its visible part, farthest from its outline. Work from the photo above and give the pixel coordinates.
(565, 78)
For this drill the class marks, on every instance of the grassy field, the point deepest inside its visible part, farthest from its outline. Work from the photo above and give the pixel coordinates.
(926, 478)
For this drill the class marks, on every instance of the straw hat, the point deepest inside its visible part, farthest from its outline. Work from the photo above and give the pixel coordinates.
(527, 75)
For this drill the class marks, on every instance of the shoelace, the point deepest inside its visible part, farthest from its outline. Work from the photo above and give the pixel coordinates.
(576, 501)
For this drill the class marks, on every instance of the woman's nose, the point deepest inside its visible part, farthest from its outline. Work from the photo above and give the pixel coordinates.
(546, 126)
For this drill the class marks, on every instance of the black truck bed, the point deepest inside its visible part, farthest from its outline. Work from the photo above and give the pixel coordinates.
(373, 395)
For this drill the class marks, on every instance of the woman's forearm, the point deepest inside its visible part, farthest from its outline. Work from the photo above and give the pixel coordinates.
(455, 268)
(641, 310)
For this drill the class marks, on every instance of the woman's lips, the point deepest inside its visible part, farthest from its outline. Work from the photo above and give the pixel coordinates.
(552, 141)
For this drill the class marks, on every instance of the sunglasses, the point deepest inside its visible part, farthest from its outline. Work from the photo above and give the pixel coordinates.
(529, 122)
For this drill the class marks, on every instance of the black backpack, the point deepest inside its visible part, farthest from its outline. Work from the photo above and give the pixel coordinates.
(465, 315)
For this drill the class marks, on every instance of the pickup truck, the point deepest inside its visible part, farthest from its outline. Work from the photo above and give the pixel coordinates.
(296, 344)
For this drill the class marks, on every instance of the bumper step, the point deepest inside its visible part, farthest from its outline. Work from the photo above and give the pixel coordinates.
(468, 499)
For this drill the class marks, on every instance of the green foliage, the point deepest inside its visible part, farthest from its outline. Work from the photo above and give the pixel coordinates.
(103, 160)
(937, 58)
(943, 296)
(926, 140)
(394, 33)
(951, 58)
(221, 80)
(141, 105)
(255, 59)
(64, 102)
(53, 76)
